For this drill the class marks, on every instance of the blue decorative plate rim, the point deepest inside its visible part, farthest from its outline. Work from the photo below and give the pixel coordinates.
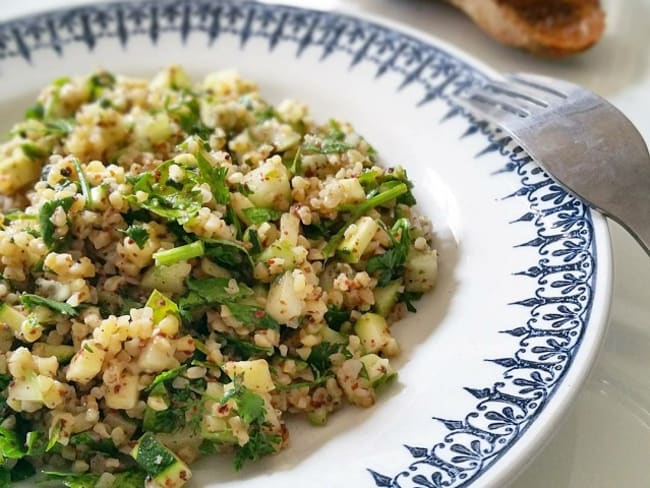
(564, 234)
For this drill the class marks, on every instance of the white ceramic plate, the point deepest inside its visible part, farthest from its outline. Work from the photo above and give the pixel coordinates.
(493, 358)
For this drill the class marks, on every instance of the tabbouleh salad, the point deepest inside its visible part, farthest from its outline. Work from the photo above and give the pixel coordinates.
(182, 266)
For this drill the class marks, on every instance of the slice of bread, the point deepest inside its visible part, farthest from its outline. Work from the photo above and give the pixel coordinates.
(547, 27)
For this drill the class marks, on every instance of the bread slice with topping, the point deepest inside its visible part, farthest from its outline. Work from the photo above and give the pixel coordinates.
(547, 27)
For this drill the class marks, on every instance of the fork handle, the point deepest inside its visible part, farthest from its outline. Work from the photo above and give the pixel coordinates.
(642, 234)
(636, 220)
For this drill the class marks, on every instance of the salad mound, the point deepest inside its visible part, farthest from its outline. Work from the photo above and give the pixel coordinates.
(183, 265)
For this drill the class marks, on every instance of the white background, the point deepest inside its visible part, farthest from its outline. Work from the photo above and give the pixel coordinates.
(605, 439)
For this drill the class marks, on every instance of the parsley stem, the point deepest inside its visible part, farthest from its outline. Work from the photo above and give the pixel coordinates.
(180, 253)
(85, 186)
(359, 210)
(380, 199)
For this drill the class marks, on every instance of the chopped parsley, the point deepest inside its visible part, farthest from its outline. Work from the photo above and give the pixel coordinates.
(46, 225)
(390, 264)
(139, 235)
(31, 301)
(332, 143)
(260, 215)
(336, 317)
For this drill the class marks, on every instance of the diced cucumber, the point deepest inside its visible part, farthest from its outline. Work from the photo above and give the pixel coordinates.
(62, 353)
(378, 369)
(169, 279)
(98, 197)
(372, 329)
(11, 317)
(283, 303)
(317, 417)
(281, 249)
(214, 427)
(165, 468)
(161, 306)
(290, 228)
(86, 363)
(352, 191)
(332, 336)
(43, 315)
(154, 128)
(26, 389)
(421, 271)
(17, 171)
(269, 185)
(386, 297)
(254, 375)
(281, 136)
(356, 239)
(240, 203)
(173, 77)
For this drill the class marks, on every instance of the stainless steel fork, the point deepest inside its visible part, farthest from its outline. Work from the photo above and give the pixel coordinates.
(582, 140)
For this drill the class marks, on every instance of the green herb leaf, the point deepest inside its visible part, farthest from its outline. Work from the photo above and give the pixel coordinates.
(407, 298)
(245, 349)
(134, 478)
(260, 444)
(35, 442)
(232, 256)
(319, 358)
(187, 114)
(165, 197)
(260, 215)
(302, 384)
(10, 446)
(139, 234)
(332, 143)
(45, 223)
(21, 471)
(59, 127)
(390, 265)
(31, 301)
(168, 375)
(250, 406)
(33, 151)
(98, 82)
(94, 443)
(252, 315)
(213, 290)
(265, 114)
(336, 317)
(36, 112)
(72, 480)
(215, 177)
(253, 237)
(55, 432)
(168, 420)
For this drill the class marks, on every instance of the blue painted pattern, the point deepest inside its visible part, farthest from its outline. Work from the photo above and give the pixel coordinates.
(560, 226)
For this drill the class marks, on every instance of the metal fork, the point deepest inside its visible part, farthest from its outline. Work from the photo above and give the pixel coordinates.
(582, 140)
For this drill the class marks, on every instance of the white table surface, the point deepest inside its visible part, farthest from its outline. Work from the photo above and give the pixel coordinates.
(605, 439)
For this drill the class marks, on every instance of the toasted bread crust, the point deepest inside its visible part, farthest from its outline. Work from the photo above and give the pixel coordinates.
(548, 27)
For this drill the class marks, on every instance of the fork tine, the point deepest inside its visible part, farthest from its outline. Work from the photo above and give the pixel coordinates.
(491, 102)
(543, 85)
(523, 95)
